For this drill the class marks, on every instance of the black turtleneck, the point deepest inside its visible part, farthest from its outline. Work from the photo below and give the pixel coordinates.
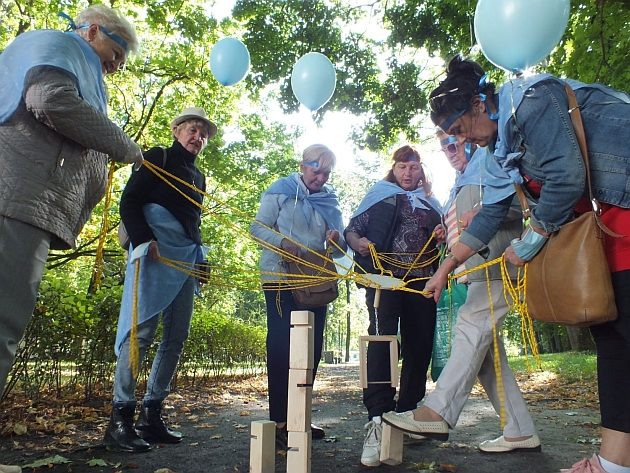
(144, 187)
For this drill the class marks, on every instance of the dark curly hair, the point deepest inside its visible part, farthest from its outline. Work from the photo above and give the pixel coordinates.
(452, 98)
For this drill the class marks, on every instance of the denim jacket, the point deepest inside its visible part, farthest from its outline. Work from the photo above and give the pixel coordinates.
(536, 141)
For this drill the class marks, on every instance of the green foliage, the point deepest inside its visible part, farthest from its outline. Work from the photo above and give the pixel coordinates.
(570, 366)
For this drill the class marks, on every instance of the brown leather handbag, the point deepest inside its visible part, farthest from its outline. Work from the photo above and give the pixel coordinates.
(568, 282)
(313, 279)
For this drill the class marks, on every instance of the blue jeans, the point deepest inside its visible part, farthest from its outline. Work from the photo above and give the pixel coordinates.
(176, 327)
(278, 336)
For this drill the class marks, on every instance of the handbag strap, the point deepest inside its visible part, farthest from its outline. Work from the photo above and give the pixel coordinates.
(578, 128)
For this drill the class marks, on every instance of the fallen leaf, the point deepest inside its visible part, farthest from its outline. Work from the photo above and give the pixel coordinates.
(96, 462)
(48, 461)
(19, 428)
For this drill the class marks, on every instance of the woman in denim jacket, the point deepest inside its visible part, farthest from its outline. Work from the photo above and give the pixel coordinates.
(527, 124)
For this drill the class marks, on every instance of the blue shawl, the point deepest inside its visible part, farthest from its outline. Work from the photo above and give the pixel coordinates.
(158, 284)
(66, 51)
(324, 202)
(385, 189)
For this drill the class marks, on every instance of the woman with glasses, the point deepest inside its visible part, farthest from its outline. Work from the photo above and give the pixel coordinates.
(472, 349)
(398, 216)
(527, 125)
(55, 143)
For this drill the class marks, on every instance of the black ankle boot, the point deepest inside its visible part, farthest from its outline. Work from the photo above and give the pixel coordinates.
(151, 427)
(120, 434)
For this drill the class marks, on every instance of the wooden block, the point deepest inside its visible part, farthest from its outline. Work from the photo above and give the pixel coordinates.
(301, 348)
(391, 445)
(302, 317)
(393, 359)
(262, 451)
(299, 453)
(299, 405)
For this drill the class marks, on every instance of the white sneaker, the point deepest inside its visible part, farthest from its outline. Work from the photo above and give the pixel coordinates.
(371, 455)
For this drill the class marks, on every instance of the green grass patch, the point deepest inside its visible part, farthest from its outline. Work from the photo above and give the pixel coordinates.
(570, 366)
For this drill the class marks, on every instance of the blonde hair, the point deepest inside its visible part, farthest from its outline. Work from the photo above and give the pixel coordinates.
(113, 21)
(320, 154)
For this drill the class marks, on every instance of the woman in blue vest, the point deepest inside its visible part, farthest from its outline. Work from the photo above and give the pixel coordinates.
(528, 126)
(297, 212)
(397, 216)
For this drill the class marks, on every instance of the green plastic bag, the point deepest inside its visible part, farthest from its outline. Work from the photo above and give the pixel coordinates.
(448, 305)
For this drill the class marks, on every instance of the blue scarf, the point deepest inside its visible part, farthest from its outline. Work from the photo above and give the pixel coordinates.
(324, 202)
(66, 51)
(385, 189)
(159, 284)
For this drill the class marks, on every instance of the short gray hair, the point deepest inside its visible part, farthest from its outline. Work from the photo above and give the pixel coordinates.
(320, 154)
(113, 21)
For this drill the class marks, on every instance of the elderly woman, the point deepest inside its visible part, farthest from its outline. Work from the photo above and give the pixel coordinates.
(55, 139)
(297, 212)
(472, 353)
(160, 222)
(397, 216)
(528, 127)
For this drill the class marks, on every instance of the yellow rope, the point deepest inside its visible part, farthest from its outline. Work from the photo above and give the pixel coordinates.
(496, 355)
(99, 262)
(285, 281)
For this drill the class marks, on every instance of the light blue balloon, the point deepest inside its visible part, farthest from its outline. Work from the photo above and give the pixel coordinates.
(313, 80)
(229, 61)
(517, 34)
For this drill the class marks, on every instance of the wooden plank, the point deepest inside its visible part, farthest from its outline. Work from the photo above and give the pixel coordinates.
(299, 453)
(391, 445)
(299, 405)
(262, 451)
(393, 359)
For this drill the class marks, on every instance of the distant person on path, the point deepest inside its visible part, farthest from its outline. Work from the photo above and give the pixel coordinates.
(160, 222)
(303, 209)
(472, 350)
(397, 216)
(527, 126)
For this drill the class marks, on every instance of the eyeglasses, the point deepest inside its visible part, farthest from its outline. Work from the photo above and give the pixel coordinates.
(449, 144)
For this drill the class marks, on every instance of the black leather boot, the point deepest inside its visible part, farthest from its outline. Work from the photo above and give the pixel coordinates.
(120, 435)
(151, 427)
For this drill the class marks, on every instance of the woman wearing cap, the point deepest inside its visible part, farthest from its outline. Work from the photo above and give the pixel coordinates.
(472, 352)
(303, 209)
(398, 216)
(55, 141)
(160, 222)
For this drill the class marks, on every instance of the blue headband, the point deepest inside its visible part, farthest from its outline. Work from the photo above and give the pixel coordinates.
(452, 118)
(72, 26)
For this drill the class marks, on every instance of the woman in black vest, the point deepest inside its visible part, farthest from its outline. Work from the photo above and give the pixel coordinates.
(397, 216)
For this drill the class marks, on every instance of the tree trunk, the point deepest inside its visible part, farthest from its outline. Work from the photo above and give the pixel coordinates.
(580, 339)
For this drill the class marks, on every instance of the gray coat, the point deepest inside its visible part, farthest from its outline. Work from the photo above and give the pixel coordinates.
(53, 157)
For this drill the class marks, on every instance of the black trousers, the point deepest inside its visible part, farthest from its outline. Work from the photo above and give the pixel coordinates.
(613, 359)
(417, 325)
(279, 307)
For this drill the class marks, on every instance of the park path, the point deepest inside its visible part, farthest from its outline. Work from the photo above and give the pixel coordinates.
(216, 430)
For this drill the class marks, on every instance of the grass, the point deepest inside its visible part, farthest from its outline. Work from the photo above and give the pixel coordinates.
(570, 367)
